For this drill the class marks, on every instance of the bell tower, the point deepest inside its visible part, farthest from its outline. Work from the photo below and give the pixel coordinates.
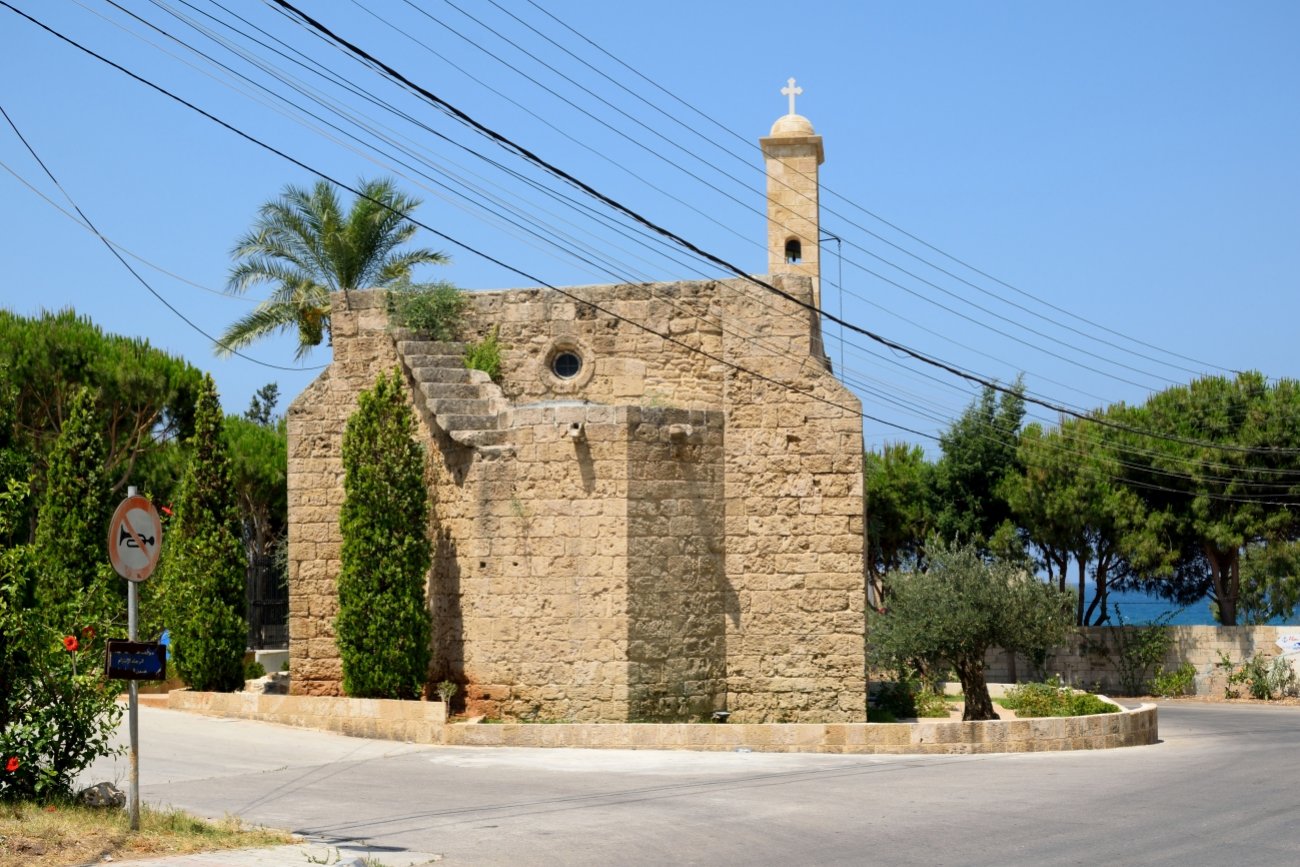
(792, 153)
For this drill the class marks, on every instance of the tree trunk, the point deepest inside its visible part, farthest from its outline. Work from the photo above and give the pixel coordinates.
(1227, 581)
(1099, 598)
(978, 704)
(1083, 587)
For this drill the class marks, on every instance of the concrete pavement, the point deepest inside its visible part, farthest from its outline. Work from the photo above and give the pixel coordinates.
(1217, 789)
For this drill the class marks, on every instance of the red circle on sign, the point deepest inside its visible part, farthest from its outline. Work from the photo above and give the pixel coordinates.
(134, 539)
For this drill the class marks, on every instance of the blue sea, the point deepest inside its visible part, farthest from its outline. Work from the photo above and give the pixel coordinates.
(1139, 608)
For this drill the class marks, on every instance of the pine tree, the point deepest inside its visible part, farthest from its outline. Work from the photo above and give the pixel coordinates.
(383, 622)
(205, 576)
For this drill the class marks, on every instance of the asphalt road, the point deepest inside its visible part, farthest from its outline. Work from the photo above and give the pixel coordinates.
(1221, 788)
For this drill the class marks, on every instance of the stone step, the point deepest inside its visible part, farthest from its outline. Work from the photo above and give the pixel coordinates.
(482, 439)
(416, 362)
(451, 390)
(465, 406)
(428, 376)
(430, 347)
(458, 422)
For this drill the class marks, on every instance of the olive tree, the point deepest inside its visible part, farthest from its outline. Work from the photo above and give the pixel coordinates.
(960, 607)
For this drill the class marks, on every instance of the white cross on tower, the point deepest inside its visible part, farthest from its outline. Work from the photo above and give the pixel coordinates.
(791, 91)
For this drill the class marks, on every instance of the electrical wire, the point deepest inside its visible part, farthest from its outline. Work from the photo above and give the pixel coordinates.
(712, 120)
(127, 265)
(522, 151)
(441, 234)
(728, 227)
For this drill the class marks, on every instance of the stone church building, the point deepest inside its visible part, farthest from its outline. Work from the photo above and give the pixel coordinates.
(634, 523)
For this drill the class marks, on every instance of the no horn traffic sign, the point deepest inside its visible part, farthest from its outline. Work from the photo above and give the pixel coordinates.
(134, 538)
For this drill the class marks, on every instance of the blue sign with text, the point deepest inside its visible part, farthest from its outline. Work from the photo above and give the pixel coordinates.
(136, 660)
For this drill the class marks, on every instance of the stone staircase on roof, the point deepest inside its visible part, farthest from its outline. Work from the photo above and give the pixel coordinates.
(465, 403)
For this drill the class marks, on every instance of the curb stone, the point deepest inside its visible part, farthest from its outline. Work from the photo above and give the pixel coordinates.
(296, 855)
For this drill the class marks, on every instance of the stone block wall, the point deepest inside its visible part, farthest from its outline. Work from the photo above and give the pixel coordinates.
(1083, 663)
(673, 531)
(677, 589)
(362, 351)
(567, 568)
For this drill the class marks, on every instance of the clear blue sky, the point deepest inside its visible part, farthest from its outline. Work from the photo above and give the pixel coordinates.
(1134, 165)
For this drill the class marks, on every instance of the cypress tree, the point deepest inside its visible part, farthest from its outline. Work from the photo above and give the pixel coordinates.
(204, 594)
(383, 622)
(71, 542)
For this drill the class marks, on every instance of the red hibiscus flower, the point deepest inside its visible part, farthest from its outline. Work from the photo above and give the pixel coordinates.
(70, 643)
(12, 764)
(88, 633)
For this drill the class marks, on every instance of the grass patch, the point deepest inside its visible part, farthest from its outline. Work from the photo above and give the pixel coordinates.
(39, 835)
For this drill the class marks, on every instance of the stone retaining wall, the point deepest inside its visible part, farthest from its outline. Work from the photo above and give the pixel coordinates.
(415, 721)
(1089, 659)
(425, 722)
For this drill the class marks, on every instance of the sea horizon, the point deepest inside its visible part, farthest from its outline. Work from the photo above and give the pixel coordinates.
(1140, 608)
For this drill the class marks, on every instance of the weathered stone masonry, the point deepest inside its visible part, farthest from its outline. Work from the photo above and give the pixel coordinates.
(674, 529)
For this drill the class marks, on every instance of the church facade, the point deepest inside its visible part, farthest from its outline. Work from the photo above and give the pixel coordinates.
(655, 512)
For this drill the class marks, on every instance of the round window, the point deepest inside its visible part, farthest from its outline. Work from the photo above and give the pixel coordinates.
(566, 364)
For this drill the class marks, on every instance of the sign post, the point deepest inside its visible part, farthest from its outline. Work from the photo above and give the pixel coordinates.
(134, 541)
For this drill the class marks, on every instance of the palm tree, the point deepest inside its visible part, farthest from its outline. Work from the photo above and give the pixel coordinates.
(304, 243)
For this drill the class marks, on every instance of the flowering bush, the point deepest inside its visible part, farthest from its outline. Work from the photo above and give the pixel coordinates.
(58, 719)
(57, 713)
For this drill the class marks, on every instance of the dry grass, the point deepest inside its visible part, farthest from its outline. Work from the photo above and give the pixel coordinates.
(34, 835)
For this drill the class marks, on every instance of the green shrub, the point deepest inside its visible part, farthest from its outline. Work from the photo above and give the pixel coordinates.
(383, 621)
(447, 690)
(1053, 698)
(1087, 704)
(57, 713)
(880, 715)
(435, 309)
(1265, 678)
(931, 705)
(1137, 650)
(254, 670)
(897, 698)
(910, 697)
(1180, 681)
(485, 355)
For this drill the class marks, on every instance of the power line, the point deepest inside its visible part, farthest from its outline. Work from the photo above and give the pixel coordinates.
(531, 157)
(136, 256)
(710, 119)
(126, 264)
(517, 271)
(727, 227)
(467, 247)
